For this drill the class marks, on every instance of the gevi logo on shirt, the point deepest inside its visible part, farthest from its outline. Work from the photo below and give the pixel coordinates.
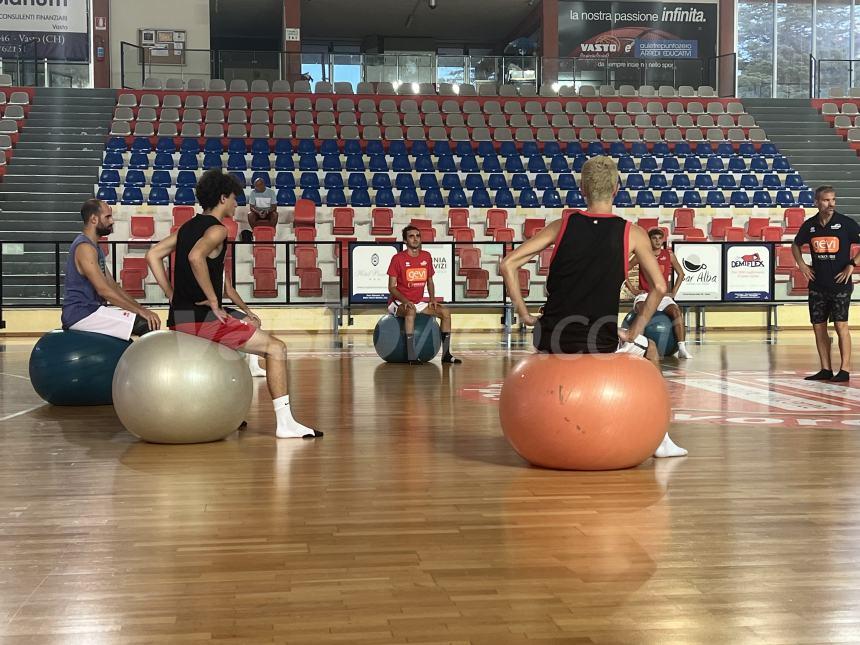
(417, 274)
(825, 244)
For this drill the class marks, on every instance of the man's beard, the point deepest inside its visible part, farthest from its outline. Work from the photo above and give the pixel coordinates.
(101, 231)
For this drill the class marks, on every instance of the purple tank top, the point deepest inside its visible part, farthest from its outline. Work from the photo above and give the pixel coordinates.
(80, 298)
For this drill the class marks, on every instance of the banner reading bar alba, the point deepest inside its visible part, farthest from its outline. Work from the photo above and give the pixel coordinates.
(58, 27)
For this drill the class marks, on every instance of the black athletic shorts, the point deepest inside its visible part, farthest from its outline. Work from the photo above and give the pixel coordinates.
(829, 305)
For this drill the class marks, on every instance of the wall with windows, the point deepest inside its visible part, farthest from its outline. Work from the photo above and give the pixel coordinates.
(776, 38)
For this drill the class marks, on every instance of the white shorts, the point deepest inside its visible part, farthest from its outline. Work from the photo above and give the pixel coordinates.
(636, 347)
(419, 307)
(665, 302)
(110, 321)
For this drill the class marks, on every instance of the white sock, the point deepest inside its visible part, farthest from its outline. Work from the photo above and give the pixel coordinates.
(288, 427)
(254, 365)
(682, 350)
(669, 448)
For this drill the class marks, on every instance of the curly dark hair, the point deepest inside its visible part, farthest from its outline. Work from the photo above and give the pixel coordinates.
(409, 227)
(213, 185)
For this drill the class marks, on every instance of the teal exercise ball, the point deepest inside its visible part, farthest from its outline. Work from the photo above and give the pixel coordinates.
(660, 330)
(75, 367)
(389, 338)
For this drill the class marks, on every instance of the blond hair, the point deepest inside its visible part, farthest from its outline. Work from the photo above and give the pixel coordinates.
(599, 179)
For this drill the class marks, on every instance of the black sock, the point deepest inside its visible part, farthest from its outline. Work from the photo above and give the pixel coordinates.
(446, 343)
(841, 377)
(410, 348)
(822, 375)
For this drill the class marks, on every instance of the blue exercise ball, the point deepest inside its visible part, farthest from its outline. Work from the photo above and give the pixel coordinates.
(389, 338)
(75, 367)
(660, 330)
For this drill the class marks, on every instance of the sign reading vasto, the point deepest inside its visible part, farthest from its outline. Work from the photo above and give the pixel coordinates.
(748, 272)
(369, 271)
(57, 29)
(703, 271)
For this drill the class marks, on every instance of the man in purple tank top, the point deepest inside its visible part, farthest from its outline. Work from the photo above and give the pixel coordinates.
(589, 264)
(90, 287)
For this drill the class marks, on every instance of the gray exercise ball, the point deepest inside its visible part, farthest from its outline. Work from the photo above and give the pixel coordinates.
(176, 388)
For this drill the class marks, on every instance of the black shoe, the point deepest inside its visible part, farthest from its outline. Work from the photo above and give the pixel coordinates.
(416, 362)
(841, 377)
(242, 425)
(823, 375)
(450, 359)
(317, 433)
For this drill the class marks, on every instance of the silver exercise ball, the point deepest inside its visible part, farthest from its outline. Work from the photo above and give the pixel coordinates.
(176, 388)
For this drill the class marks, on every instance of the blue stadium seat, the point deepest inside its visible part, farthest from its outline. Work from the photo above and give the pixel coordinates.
(746, 149)
(409, 198)
(307, 146)
(505, 198)
(404, 181)
(716, 198)
(551, 199)
(308, 162)
(567, 181)
(328, 147)
(450, 181)
(692, 164)
(559, 164)
(107, 194)
(396, 148)
(703, 149)
(528, 199)
(236, 162)
(769, 149)
(536, 164)
(617, 148)
(645, 198)
(595, 148)
(794, 182)
(543, 181)
(161, 179)
(109, 178)
(669, 198)
(485, 149)
(335, 197)
(355, 163)
(514, 164)
(433, 198)
(780, 164)
(481, 199)
(573, 149)
(186, 179)
(457, 198)
(189, 144)
(331, 163)
(725, 149)
(132, 196)
(682, 149)
(285, 162)
(135, 178)
(520, 181)
(158, 196)
(737, 164)
(704, 182)
(578, 163)
(261, 162)
(384, 197)
(211, 160)
(332, 180)
(187, 161)
(759, 164)
(446, 164)
(443, 148)
(530, 149)
(681, 181)
(356, 180)
(771, 181)
(427, 181)
(213, 145)
(286, 197)
(260, 147)
(551, 149)
(762, 198)
(805, 198)
(285, 180)
(784, 198)
(658, 182)
(401, 163)
(739, 198)
(241, 199)
(660, 149)
(648, 164)
(184, 196)
(749, 182)
(727, 182)
(670, 164)
(313, 194)
(378, 163)
(239, 176)
(359, 198)
(236, 146)
(267, 179)
(141, 144)
(574, 199)
(116, 144)
(311, 180)
(283, 147)
(138, 161)
(635, 181)
(715, 164)
(464, 148)
(165, 144)
(622, 199)
(508, 149)
(424, 164)
(469, 163)
(491, 164)
(163, 161)
(638, 149)
(352, 147)
(692, 198)
(497, 181)
(626, 164)
(474, 181)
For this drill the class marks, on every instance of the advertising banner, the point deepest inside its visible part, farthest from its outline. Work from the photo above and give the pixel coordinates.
(369, 271)
(703, 271)
(748, 272)
(57, 29)
(443, 267)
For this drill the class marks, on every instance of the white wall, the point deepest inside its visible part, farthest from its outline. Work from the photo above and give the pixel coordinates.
(127, 16)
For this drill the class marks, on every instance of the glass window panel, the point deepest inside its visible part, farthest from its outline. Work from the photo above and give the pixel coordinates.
(755, 48)
(793, 46)
(833, 27)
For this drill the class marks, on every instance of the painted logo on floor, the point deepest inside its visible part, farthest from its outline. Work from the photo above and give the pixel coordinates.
(780, 398)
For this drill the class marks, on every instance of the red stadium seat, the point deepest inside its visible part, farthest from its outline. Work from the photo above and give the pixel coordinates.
(470, 260)
(343, 221)
(496, 218)
(477, 283)
(799, 284)
(784, 260)
(141, 231)
(532, 226)
(265, 282)
(694, 235)
(648, 223)
(182, 214)
(524, 276)
(734, 234)
(755, 227)
(264, 233)
(264, 256)
(719, 226)
(310, 283)
(306, 233)
(458, 219)
(544, 259)
(793, 218)
(306, 257)
(462, 238)
(428, 233)
(304, 213)
(132, 275)
(682, 219)
(772, 234)
(380, 221)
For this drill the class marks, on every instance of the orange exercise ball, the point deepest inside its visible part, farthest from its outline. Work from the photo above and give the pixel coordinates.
(584, 411)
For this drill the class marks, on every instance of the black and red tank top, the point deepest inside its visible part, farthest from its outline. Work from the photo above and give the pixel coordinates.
(588, 266)
(186, 289)
(664, 259)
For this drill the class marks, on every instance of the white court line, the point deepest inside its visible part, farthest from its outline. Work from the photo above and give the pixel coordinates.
(764, 397)
(26, 378)
(22, 412)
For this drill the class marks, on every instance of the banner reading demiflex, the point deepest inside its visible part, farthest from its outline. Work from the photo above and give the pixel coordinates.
(658, 32)
(58, 27)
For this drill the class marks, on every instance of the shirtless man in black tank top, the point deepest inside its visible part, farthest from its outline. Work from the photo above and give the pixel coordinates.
(588, 266)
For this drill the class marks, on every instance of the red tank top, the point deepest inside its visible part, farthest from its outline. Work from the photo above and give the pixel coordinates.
(665, 262)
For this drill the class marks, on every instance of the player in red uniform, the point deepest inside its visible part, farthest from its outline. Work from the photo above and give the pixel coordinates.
(667, 261)
(410, 272)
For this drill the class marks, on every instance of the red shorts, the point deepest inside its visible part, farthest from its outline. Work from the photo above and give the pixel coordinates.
(232, 333)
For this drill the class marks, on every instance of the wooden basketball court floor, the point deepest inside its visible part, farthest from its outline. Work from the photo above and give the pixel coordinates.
(412, 521)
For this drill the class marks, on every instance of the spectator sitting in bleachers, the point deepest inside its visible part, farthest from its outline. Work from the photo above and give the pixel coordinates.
(263, 209)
